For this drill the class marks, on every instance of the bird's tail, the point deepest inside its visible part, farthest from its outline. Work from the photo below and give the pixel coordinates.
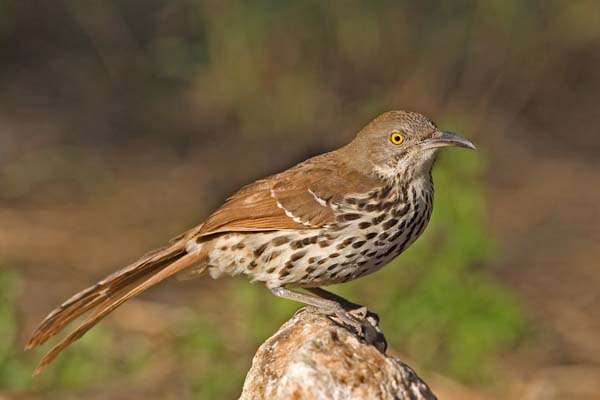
(108, 294)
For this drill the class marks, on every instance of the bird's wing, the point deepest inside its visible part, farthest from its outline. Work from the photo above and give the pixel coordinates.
(299, 198)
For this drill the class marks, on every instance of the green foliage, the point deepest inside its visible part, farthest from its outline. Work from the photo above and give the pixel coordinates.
(207, 352)
(12, 370)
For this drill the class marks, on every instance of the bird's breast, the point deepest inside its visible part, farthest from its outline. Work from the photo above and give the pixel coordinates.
(367, 233)
(392, 227)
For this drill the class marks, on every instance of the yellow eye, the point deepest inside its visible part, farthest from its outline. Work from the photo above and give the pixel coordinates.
(396, 138)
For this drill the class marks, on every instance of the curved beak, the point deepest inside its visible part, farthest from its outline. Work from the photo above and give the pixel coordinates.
(443, 139)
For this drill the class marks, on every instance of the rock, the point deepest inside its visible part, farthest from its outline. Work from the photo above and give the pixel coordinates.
(312, 357)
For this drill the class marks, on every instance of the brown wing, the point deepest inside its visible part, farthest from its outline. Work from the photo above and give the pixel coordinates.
(299, 198)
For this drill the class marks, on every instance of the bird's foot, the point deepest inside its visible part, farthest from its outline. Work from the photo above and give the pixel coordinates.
(366, 325)
(363, 322)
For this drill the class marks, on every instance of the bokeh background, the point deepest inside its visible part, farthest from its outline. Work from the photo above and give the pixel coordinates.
(124, 122)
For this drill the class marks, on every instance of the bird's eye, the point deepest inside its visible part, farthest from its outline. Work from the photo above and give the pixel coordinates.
(396, 138)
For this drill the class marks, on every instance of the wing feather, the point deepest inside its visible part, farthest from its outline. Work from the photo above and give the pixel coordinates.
(302, 197)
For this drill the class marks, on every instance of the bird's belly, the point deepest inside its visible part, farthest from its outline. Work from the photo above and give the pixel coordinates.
(318, 257)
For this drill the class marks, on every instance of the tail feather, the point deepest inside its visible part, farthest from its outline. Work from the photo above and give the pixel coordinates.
(94, 295)
(111, 304)
(110, 293)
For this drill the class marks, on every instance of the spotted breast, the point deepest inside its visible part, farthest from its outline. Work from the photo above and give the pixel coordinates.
(369, 231)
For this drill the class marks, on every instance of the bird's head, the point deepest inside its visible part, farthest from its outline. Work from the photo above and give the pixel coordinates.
(399, 141)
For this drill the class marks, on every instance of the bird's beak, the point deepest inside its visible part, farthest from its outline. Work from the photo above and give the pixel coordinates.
(443, 139)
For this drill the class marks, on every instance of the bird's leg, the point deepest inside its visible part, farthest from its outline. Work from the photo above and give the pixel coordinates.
(325, 294)
(332, 307)
(354, 309)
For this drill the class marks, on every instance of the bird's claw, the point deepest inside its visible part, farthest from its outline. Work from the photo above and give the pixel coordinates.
(362, 321)
(365, 324)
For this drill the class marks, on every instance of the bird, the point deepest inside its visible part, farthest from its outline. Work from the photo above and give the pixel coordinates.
(330, 219)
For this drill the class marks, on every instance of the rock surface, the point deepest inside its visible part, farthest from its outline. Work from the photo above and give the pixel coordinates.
(312, 357)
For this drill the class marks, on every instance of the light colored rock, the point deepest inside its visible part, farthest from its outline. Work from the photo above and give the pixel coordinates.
(313, 358)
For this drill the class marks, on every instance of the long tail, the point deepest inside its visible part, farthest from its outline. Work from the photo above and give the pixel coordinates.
(108, 294)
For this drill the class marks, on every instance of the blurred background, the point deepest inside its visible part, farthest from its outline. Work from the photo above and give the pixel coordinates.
(124, 122)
